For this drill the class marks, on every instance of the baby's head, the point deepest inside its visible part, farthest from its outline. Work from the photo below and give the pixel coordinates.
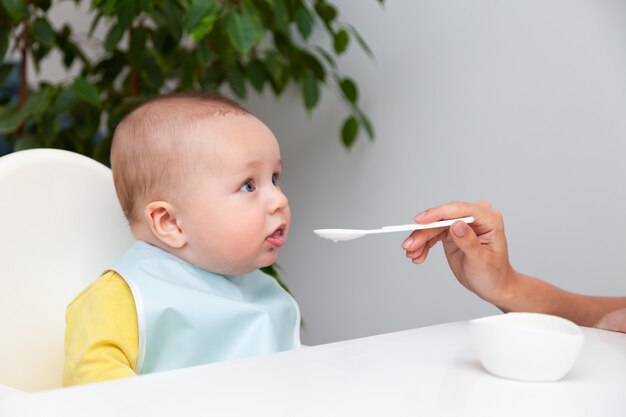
(197, 175)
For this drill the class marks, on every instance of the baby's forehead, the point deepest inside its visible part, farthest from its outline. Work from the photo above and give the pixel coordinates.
(235, 138)
(184, 108)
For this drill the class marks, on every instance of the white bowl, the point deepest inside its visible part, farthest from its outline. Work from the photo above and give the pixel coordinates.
(526, 346)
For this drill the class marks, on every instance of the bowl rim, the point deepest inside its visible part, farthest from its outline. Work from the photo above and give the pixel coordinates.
(505, 320)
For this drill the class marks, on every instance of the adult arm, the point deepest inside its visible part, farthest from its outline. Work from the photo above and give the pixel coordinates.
(478, 257)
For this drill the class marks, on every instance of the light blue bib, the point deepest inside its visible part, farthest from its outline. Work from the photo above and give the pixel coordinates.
(189, 316)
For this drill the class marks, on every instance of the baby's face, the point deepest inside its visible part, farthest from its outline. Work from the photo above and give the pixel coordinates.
(233, 212)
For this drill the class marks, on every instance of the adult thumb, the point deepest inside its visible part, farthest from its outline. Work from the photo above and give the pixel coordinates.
(465, 238)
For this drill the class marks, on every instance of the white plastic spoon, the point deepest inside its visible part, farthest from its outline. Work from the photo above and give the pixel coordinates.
(349, 234)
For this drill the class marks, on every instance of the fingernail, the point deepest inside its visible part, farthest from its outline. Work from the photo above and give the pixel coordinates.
(459, 229)
(407, 243)
(419, 216)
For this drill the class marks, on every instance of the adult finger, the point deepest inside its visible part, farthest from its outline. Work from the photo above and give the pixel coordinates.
(465, 239)
(425, 247)
(418, 238)
(486, 218)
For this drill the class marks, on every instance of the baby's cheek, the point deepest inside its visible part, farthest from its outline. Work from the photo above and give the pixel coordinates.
(242, 240)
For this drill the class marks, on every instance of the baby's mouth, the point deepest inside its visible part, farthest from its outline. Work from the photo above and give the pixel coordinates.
(277, 238)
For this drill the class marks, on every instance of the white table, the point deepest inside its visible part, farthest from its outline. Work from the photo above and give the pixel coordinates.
(430, 371)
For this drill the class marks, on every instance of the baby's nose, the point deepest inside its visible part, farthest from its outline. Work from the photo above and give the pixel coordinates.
(279, 201)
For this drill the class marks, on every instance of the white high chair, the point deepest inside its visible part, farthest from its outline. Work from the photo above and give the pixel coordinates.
(61, 226)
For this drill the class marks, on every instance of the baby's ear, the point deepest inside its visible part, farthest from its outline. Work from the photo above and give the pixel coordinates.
(161, 217)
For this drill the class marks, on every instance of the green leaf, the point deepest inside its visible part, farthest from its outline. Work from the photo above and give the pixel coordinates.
(210, 79)
(341, 41)
(85, 91)
(272, 271)
(280, 83)
(42, 32)
(102, 151)
(205, 55)
(310, 91)
(349, 89)
(304, 21)
(151, 71)
(256, 74)
(206, 26)
(15, 9)
(244, 31)
(349, 131)
(38, 52)
(313, 64)
(86, 128)
(365, 122)
(126, 12)
(64, 101)
(5, 70)
(38, 102)
(236, 81)
(277, 72)
(163, 42)
(284, 44)
(201, 18)
(48, 127)
(119, 111)
(107, 7)
(42, 4)
(4, 43)
(143, 5)
(274, 69)
(28, 141)
(68, 58)
(327, 12)
(113, 37)
(280, 15)
(188, 71)
(173, 18)
(11, 118)
(197, 10)
(328, 57)
(137, 46)
(94, 24)
(361, 41)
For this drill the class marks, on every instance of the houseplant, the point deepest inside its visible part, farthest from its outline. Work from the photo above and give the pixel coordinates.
(153, 46)
(156, 46)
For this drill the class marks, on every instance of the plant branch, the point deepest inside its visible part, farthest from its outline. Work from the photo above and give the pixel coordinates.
(25, 43)
(134, 76)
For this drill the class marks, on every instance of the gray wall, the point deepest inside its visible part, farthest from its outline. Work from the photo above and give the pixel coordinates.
(522, 103)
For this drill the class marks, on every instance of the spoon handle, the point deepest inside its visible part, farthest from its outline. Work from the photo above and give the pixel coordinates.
(417, 226)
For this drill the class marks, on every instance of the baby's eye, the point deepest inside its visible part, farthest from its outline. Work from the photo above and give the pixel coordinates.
(275, 179)
(248, 187)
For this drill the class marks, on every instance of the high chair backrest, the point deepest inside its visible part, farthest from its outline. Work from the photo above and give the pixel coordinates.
(61, 226)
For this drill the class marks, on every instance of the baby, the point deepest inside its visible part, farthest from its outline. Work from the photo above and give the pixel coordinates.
(197, 177)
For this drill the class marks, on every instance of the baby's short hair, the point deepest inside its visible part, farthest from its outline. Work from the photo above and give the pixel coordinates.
(150, 149)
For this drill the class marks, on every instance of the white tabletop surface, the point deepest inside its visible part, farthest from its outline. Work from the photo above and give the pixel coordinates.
(430, 371)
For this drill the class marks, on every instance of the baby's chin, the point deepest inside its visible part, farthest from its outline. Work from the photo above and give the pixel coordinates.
(233, 267)
(235, 271)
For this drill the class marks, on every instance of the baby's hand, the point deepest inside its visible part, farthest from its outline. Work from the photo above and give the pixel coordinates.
(615, 321)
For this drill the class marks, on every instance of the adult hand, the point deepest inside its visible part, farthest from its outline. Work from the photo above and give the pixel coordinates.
(477, 253)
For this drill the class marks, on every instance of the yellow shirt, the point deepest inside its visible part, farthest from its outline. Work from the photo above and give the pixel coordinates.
(101, 336)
